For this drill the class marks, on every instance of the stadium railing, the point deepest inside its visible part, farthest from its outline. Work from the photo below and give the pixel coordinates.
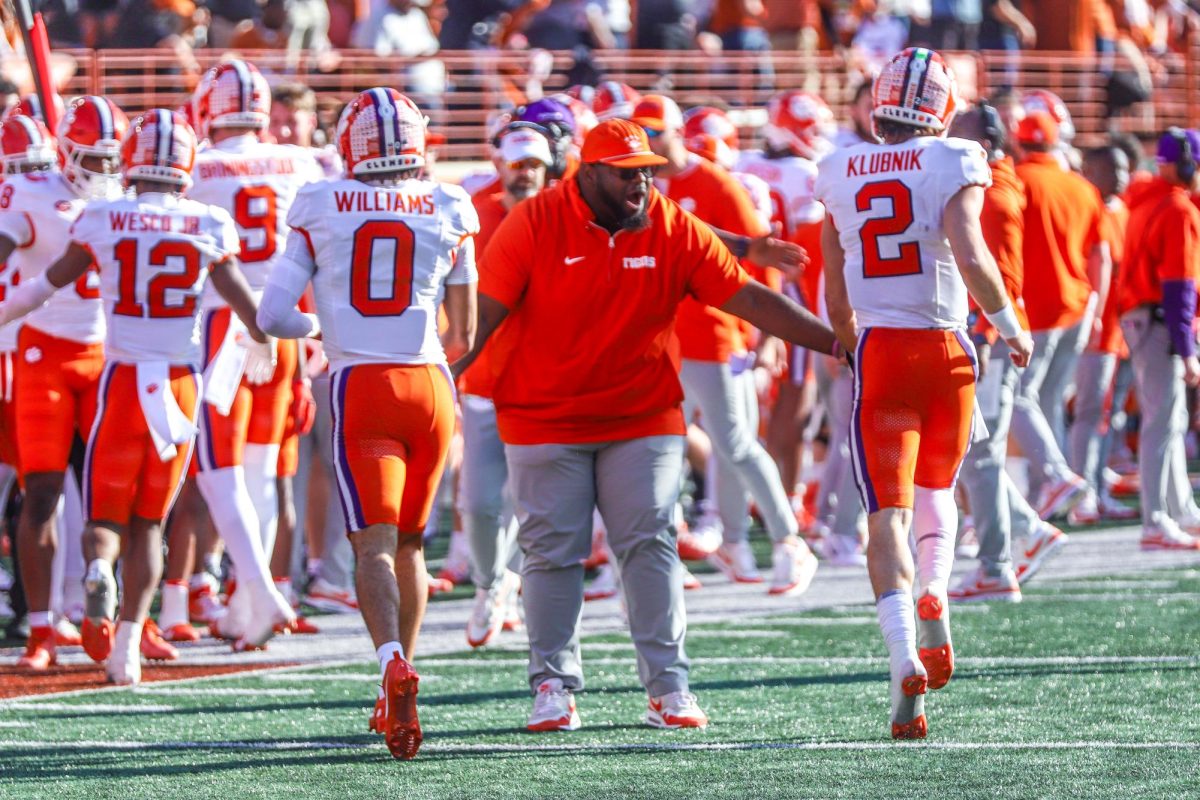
(478, 83)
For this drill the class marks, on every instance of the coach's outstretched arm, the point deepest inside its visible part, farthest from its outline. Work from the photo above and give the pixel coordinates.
(979, 270)
(491, 312)
(777, 315)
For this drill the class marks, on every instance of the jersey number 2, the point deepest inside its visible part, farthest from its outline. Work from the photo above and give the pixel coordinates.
(127, 305)
(398, 296)
(908, 261)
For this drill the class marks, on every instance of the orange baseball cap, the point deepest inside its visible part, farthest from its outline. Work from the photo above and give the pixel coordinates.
(658, 113)
(1038, 127)
(619, 143)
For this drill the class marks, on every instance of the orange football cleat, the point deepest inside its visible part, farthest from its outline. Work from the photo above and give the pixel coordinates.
(39, 650)
(402, 729)
(183, 632)
(97, 638)
(937, 654)
(154, 647)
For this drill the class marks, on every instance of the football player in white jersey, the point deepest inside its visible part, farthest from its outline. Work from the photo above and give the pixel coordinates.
(61, 346)
(903, 245)
(238, 451)
(154, 251)
(383, 250)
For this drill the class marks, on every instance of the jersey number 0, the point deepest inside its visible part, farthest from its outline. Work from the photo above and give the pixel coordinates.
(908, 261)
(371, 237)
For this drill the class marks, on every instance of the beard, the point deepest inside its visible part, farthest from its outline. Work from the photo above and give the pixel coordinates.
(638, 221)
(521, 190)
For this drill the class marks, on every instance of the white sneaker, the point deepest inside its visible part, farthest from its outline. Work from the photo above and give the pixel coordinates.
(457, 568)
(675, 710)
(606, 584)
(1166, 535)
(1044, 541)
(978, 585)
(735, 560)
(843, 551)
(1060, 495)
(1113, 509)
(553, 708)
(794, 566)
(1086, 511)
(269, 611)
(487, 616)
(324, 595)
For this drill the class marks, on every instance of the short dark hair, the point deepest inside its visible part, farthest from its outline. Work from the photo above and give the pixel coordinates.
(8, 87)
(887, 127)
(1129, 144)
(296, 95)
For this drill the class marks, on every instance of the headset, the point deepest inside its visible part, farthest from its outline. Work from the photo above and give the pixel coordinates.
(1185, 162)
(993, 129)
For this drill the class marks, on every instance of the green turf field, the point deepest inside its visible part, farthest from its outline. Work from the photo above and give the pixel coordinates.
(1087, 689)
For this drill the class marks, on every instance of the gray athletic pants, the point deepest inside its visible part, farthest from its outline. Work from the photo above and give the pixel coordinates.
(483, 497)
(635, 484)
(998, 508)
(1093, 380)
(1158, 377)
(839, 505)
(1038, 416)
(728, 408)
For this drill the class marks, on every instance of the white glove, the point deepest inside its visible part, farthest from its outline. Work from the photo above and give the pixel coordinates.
(260, 359)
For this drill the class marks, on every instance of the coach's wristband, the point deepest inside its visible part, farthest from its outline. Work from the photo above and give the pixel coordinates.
(1005, 321)
(740, 246)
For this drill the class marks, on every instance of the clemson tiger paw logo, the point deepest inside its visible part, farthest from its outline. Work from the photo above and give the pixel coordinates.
(33, 355)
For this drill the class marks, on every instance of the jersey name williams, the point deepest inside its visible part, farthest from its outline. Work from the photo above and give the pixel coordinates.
(884, 162)
(349, 202)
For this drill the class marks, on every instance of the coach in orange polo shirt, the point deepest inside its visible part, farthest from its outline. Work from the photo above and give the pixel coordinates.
(1157, 305)
(1067, 270)
(589, 276)
(717, 369)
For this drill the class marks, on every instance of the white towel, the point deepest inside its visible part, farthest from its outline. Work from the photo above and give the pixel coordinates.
(224, 373)
(168, 425)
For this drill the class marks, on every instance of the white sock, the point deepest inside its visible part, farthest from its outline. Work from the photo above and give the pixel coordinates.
(261, 462)
(935, 523)
(897, 620)
(174, 609)
(40, 619)
(237, 524)
(212, 564)
(128, 638)
(384, 653)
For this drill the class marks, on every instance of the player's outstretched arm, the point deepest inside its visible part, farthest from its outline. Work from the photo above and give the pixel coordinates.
(979, 270)
(32, 294)
(777, 315)
(231, 284)
(277, 311)
(460, 304)
(837, 298)
(491, 312)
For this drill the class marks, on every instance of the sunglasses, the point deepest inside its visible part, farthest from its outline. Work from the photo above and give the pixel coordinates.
(529, 163)
(628, 174)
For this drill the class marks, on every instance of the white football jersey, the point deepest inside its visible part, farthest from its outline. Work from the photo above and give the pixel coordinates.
(9, 278)
(380, 259)
(790, 182)
(887, 202)
(255, 182)
(760, 195)
(36, 212)
(154, 252)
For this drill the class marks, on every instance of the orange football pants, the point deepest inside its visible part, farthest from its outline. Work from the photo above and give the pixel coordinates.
(56, 384)
(258, 414)
(392, 426)
(914, 403)
(123, 475)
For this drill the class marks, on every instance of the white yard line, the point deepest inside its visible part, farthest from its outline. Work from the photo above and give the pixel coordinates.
(87, 708)
(523, 748)
(995, 661)
(1102, 584)
(238, 693)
